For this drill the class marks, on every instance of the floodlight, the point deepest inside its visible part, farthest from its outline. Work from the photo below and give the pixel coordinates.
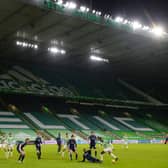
(24, 44)
(17, 42)
(93, 11)
(125, 21)
(36, 46)
(99, 59)
(158, 31)
(82, 8)
(87, 10)
(99, 13)
(60, 2)
(53, 50)
(71, 5)
(63, 52)
(136, 25)
(119, 19)
(56, 50)
(145, 28)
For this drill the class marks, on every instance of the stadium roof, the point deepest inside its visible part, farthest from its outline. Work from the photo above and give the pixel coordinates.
(127, 50)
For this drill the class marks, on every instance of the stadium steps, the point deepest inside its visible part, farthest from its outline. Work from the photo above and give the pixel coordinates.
(81, 134)
(156, 125)
(63, 132)
(48, 117)
(114, 136)
(55, 132)
(34, 127)
(136, 122)
(97, 124)
(69, 124)
(63, 121)
(109, 117)
(27, 121)
(21, 134)
(44, 133)
(153, 135)
(86, 119)
(130, 134)
(23, 118)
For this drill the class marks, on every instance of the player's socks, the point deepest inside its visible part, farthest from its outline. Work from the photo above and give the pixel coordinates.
(38, 155)
(95, 153)
(22, 158)
(10, 153)
(101, 157)
(114, 156)
(76, 156)
(63, 154)
(70, 156)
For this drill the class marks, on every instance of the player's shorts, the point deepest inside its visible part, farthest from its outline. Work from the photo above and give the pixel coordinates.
(65, 146)
(126, 142)
(38, 147)
(20, 151)
(10, 146)
(72, 149)
(109, 150)
(92, 146)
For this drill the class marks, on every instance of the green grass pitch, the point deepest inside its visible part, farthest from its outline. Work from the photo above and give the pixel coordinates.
(137, 156)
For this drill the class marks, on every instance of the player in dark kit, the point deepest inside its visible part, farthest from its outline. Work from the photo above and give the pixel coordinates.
(87, 155)
(59, 142)
(166, 141)
(72, 145)
(20, 149)
(92, 141)
(38, 142)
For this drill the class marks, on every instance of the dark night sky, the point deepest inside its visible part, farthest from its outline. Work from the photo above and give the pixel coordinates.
(146, 11)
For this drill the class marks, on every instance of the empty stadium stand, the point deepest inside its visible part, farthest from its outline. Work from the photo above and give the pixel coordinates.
(11, 123)
(74, 106)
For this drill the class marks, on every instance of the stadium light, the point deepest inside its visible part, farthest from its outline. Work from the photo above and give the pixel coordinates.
(93, 11)
(63, 52)
(158, 31)
(125, 21)
(60, 2)
(136, 25)
(17, 42)
(56, 50)
(99, 59)
(36, 46)
(26, 44)
(106, 16)
(70, 5)
(119, 19)
(145, 28)
(82, 8)
(99, 13)
(87, 9)
(53, 50)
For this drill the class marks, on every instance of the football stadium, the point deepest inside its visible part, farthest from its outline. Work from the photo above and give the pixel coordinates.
(80, 87)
